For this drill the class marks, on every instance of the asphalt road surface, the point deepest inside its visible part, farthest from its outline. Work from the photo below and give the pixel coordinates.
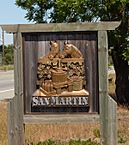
(6, 84)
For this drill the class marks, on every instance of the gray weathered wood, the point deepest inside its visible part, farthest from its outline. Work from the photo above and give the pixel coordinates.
(11, 123)
(103, 62)
(112, 121)
(105, 105)
(61, 27)
(19, 126)
(61, 118)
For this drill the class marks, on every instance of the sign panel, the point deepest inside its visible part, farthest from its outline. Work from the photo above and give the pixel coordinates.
(60, 72)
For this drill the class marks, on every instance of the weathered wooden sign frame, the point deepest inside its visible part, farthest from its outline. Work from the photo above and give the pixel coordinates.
(107, 107)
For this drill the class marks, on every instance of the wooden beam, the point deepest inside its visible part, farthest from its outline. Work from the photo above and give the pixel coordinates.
(9, 28)
(61, 27)
(61, 118)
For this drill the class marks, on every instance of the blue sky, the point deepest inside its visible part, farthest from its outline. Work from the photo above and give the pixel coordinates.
(11, 14)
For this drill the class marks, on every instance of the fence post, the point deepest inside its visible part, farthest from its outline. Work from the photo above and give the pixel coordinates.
(107, 105)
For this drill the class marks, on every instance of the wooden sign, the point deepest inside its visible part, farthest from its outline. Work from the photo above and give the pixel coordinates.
(70, 77)
(60, 72)
(32, 44)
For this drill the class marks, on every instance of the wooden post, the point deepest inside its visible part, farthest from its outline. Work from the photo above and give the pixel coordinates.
(18, 75)
(107, 118)
(112, 121)
(11, 123)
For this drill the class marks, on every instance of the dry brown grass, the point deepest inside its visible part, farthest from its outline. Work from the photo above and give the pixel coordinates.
(60, 132)
(3, 123)
(36, 133)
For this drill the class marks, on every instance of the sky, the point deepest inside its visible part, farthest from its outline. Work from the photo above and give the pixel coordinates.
(11, 14)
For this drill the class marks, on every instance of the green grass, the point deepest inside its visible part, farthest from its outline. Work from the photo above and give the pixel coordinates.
(71, 142)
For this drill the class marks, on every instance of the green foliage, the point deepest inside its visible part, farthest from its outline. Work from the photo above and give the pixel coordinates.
(126, 53)
(71, 142)
(8, 56)
(71, 11)
(79, 142)
(96, 133)
(47, 142)
(37, 10)
(121, 138)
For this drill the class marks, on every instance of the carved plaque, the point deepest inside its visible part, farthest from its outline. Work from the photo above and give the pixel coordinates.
(61, 78)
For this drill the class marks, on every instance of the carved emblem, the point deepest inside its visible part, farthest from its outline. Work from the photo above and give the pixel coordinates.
(61, 73)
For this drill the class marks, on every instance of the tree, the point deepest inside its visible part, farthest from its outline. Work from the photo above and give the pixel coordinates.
(37, 10)
(87, 10)
(8, 55)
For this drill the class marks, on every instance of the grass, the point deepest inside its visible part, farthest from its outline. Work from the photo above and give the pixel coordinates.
(65, 134)
(59, 132)
(70, 142)
(3, 124)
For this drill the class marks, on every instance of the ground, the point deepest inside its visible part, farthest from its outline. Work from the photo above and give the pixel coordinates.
(36, 133)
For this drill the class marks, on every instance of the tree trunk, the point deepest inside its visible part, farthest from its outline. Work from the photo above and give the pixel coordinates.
(122, 79)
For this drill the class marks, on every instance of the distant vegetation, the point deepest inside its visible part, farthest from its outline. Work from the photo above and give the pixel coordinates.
(6, 55)
(6, 67)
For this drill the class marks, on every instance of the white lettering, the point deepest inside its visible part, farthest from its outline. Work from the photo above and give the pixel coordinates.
(35, 101)
(47, 101)
(84, 101)
(75, 100)
(79, 101)
(62, 101)
(54, 101)
(68, 101)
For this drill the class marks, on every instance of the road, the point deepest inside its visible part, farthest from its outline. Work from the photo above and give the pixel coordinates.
(6, 84)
